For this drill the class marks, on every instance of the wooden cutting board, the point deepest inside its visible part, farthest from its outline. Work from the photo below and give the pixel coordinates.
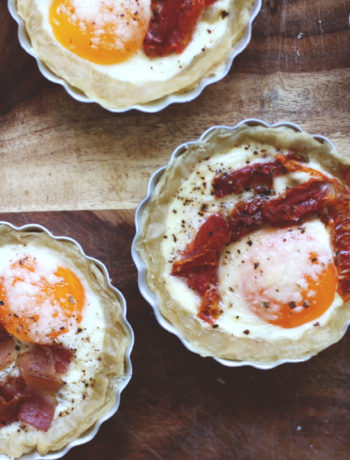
(92, 168)
(59, 154)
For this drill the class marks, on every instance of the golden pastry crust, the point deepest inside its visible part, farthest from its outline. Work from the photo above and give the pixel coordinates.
(202, 337)
(118, 93)
(110, 362)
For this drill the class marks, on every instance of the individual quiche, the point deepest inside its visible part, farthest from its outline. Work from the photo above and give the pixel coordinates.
(64, 344)
(243, 244)
(135, 53)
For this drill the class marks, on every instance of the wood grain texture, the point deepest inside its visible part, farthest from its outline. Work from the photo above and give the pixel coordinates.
(181, 406)
(58, 154)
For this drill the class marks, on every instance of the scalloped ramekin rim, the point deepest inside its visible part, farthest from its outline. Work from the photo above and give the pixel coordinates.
(141, 266)
(122, 381)
(153, 106)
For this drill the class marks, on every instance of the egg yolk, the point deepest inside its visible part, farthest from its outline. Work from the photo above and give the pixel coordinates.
(315, 300)
(39, 305)
(102, 31)
(289, 277)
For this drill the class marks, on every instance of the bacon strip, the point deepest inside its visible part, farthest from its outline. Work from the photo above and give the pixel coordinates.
(7, 349)
(32, 397)
(62, 357)
(38, 411)
(38, 369)
(12, 394)
(172, 25)
(42, 363)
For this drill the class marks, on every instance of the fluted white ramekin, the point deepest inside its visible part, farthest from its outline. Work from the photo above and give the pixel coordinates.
(149, 296)
(151, 107)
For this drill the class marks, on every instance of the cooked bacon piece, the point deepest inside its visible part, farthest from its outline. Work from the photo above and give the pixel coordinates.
(38, 411)
(7, 349)
(38, 368)
(298, 203)
(172, 25)
(12, 387)
(200, 261)
(32, 397)
(41, 365)
(258, 176)
(12, 394)
(62, 357)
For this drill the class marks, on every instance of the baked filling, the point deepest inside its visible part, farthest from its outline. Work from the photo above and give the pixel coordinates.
(246, 245)
(134, 52)
(63, 343)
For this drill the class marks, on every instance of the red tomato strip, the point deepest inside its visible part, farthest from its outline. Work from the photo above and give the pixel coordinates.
(340, 225)
(246, 217)
(210, 306)
(172, 25)
(199, 264)
(291, 208)
(298, 203)
(258, 176)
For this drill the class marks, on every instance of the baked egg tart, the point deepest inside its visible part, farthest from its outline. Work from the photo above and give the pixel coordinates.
(243, 244)
(142, 54)
(64, 344)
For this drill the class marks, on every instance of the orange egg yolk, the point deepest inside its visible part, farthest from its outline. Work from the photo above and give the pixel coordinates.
(105, 32)
(38, 306)
(289, 277)
(315, 300)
